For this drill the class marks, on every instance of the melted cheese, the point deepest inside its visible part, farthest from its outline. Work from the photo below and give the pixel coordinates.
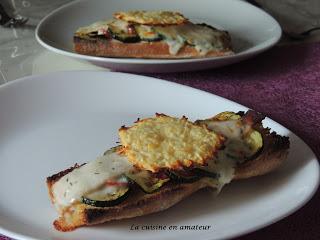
(204, 39)
(232, 129)
(224, 166)
(225, 162)
(175, 44)
(95, 27)
(71, 187)
(102, 26)
(238, 145)
(242, 140)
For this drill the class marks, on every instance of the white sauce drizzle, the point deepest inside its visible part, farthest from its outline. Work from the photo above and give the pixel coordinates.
(203, 38)
(71, 187)
(225, 162)
(95, 27)
(235, 132)
(175, 45)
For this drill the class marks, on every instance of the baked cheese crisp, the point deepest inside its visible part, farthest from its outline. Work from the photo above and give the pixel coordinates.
(152, 17)
(167, 142)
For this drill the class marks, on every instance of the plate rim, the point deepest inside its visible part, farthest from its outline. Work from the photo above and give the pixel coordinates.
(17, 236)
(140, 61)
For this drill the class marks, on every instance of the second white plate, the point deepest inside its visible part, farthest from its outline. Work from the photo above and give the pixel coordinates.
(50, 122)
(251, 29)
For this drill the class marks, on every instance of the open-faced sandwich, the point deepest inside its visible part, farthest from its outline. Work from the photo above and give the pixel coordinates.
(162, 160)
(151, 34)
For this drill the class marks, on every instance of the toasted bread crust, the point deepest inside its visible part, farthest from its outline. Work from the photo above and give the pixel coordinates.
(112, 48)
(274, 152)
(138, 204)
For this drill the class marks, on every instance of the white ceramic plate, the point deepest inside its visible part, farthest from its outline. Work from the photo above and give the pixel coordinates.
(50, 122)
(251, 29)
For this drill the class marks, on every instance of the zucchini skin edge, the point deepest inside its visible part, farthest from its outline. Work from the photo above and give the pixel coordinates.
(103, 204)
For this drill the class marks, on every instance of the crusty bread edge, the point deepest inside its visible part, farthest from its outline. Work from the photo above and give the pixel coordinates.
(136, 205)
(273, 153)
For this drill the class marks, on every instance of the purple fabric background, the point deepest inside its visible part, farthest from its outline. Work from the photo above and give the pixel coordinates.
(284, 84)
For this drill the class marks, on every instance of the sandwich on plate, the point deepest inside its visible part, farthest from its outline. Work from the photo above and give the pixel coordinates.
(151, 34)
(160, 161)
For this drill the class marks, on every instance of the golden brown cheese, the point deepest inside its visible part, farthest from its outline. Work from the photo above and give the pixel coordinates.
(167, 142)
(152, 17)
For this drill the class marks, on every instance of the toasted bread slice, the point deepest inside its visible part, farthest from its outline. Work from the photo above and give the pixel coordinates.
(151, 34)
(113, 48)
(274, 152)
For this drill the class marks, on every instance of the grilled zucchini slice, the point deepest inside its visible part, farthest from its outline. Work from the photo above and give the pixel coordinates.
(149, 182)
(121, 31)
(205, 173)
(147, 33)
(123, 36)
(108, 196)
(183, 176)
